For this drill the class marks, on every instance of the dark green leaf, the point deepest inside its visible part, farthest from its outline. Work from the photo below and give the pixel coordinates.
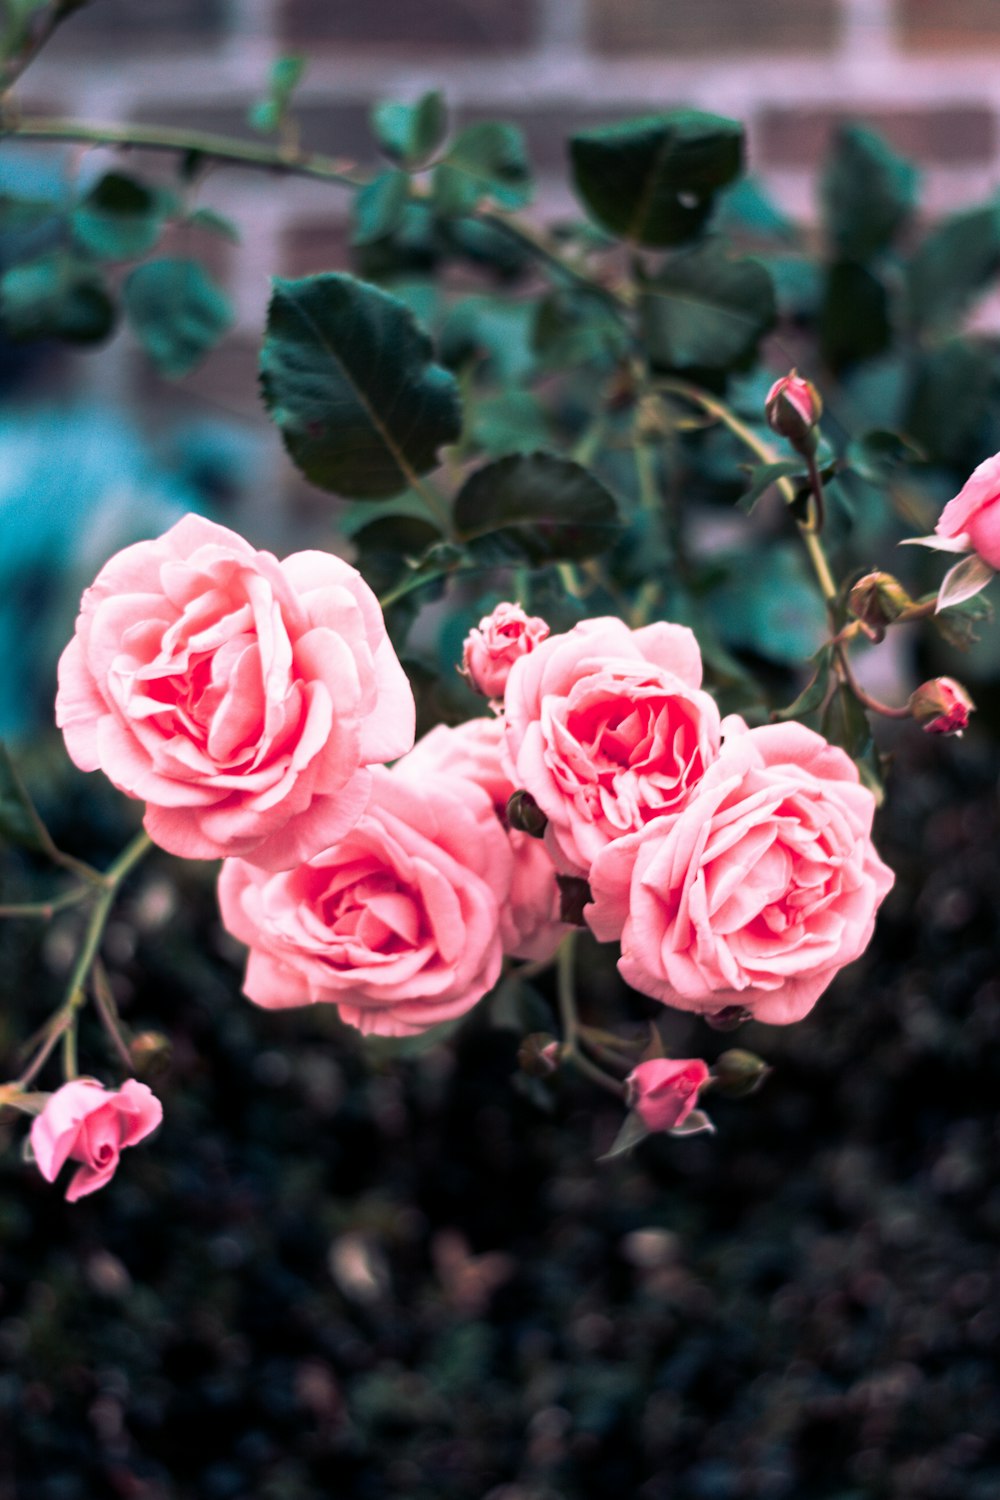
(956, 261)
(486, 160)
(652, 180)
(763, 477)
(769, 604)
(490, 332)
(176, 312)
(812, 697)
(854, 317)
(349, 379)
(949, 397)
(746, 209)
(707, 309)
(868, 193)
(56, 296)
(390, 546)
(267, 115)
(512, 422)
(959, 624)
(877, 456)
(535, 508)
(379, 207)
(410, 133)
(24, 213)
(845, 723)
(120, 218)
(19, 822)
(570, 329)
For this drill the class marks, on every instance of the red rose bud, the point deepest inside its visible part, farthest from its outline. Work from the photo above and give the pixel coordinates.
(941, 706)
(738, 1073)
(793, 407)
(878, 599)
(664, 1090)
(525, 815)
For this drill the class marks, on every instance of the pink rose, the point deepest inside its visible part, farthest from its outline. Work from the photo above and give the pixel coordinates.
(240, 697)
(529, 917)
(83, 1122)
(491, 650)
(758, 891)
(972, 520)
(607, 729)
(793, 407)
(397, 924)
(664, 1090)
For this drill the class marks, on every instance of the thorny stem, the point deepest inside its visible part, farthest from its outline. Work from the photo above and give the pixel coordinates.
(570, 1050)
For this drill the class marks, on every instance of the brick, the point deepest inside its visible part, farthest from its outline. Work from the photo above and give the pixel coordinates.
(930, 25)
(406, 25)
(952, 136)
(124, 24)
(714, 27)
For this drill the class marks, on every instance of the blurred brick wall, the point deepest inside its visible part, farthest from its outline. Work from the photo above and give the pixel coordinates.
(926, 72)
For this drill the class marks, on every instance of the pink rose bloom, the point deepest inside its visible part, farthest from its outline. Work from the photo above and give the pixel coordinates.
(83, 1122)
(607, 729)
(241, 698)
(491, 650)
(529, 918)
(972, 520)
(758, 891)
(397, 925)
(664, 1090)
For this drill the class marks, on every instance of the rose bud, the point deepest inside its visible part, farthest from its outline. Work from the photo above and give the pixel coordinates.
(524, 814)
(538, 1055)
(877, 600)
(150, 1052)
(664, 1090)
(739, 1073)
(941, 706)
(793, 408)
(85, 1123)
(491, 650)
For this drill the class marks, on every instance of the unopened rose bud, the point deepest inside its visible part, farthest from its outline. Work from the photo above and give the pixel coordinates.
(538, 1055)
(941, 706)
(877, 600)
(525, 815)
(496, 644)
(793, 408)
(738, 1073)
(664, 1090)
(150, 1052)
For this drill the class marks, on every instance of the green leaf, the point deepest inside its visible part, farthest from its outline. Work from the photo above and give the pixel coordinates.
(763, 477)
(814, 693)
(120, 218)
(267, 115)
(949, 398)
(845, 723)
(707, 309)
(486, 160)
(535, 508)
(652, 180)
(745, 208)
(349, 379)
(956, 261)
(389, 546)
(854, 317)
(19, 822)
(56, 296)
(215, 223)
(24, 213)
(868, 193)
(177, 313)
(379, 207)
(877, 456)
(769, 604)
(410, 133)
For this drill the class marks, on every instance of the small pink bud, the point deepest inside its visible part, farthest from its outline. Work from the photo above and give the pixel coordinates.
(793, 407)
(85, 1122)
(664, 1090)
(492, 649)
(941, 706)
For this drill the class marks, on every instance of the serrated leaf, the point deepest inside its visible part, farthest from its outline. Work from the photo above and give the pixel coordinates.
(763, 477)
(955, 262)
(379, 207)
(845, 723)
(958, 623)
(652, 180)
(390, 546)
(707, 309)
(966, 579)
(485, 160)
(409, 133)
(535, 508)
(120, 218)
(19, 822)
(56, 296)
(868, 193)
(349, 378)
(177, 312)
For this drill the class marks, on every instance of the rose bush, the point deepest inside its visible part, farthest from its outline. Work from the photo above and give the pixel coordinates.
(758, 891)
(241, 698)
